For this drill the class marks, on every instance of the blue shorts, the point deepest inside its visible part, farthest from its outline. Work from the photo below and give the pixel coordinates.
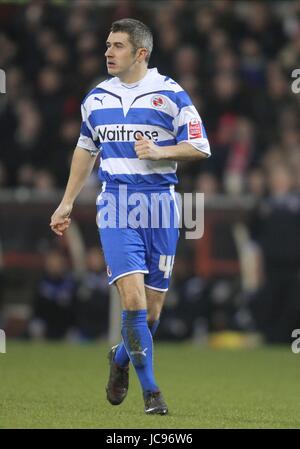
(139, 232)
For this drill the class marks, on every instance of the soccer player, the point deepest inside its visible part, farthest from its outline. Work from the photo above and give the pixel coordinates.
(141, 122)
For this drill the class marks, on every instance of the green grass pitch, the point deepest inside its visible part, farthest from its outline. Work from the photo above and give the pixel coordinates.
(63, 386)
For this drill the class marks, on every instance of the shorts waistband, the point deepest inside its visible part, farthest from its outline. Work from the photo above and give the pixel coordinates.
(113, 187)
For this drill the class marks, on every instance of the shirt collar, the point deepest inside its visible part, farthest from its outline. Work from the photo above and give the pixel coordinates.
(149, 75)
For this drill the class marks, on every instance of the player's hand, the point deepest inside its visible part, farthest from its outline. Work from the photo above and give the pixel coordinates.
(146, 149)
(60, 220)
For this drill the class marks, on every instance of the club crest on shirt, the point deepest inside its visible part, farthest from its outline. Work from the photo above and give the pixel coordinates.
(195, 131)
(158, 102)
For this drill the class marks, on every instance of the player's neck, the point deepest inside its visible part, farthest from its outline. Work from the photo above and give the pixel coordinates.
(134, 76)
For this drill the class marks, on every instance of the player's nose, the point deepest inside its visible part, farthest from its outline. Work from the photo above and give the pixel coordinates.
(108, 52)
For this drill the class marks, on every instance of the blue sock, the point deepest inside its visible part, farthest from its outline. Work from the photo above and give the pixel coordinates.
(138, 343)
(121, 356)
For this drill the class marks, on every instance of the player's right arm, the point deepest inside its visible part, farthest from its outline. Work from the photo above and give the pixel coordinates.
(83, 161)
(82, 164)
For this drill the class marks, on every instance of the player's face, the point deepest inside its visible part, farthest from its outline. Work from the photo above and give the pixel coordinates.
(120, 55)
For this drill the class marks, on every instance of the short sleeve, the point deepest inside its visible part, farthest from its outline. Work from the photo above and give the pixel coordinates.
(189, 126)
(88, 138)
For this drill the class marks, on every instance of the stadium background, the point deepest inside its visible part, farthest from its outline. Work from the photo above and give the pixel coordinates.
(238, 286)
(235, 59)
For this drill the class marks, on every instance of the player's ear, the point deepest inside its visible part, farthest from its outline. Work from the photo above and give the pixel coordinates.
(141, 54)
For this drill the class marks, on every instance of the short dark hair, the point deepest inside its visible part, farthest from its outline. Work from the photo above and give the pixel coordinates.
(140, 35)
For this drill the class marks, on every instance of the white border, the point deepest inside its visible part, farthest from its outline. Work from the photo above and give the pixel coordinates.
(125, 274)
(155, 288)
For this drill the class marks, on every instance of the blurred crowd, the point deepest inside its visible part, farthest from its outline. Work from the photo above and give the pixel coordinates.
(70, 304)
(235, 59)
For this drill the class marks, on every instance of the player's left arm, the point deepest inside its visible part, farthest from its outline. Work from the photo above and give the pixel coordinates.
(190, 136)
(146, 149)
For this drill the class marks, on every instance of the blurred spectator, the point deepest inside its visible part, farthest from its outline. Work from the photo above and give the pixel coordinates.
(45, 38)
(88, 44)
(50, 96)
(77, 21)
(59, 160)
(8, 50)
(227, 62)
(261, 24)
(220, 304)
(276, 230)
(92, 307)
(205, 23)
(16, 85)
(28, 136)
(54, 300)
(225, 97)
(89, 69)
(206, 183)
(3, 176)
(184, 302)
(25, 176)
(218, 40)
(168, 39)
(256, 183)
(57, 56)
(252, 64)
(44, 182)
(239, 157)
(186, 61)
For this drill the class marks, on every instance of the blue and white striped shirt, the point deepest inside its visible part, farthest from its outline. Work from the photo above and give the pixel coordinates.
(158, 108)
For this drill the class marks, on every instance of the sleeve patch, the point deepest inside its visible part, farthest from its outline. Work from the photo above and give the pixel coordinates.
(195, 129)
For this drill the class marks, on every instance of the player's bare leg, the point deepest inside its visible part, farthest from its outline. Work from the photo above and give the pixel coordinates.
(155, 301)
(132, 292)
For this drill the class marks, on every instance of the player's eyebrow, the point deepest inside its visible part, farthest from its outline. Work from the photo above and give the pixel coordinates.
(114, 43)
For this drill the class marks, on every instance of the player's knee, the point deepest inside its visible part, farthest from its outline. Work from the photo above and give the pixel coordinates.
(132, 299)
(133, 303)
(153, 312)
(152, 318)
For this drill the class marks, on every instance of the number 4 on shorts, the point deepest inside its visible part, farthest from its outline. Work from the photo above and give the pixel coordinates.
(166, 265)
